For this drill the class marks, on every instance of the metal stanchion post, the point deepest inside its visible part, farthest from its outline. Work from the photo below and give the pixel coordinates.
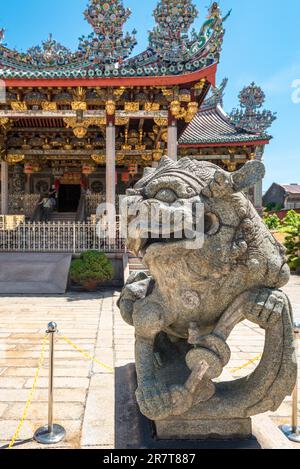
(51, 433)
(293, 431)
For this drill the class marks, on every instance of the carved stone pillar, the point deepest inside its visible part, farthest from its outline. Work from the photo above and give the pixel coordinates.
(4, 188)
(172, 138)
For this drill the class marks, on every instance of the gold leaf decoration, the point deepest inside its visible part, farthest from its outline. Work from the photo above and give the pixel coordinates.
(14, 158)
(18, 106)
(49, 106)
(99, 159)
(119, 92)
(80, 129)
(122, 120)
(161, 121)
(131, 106)
(152, 107)
(79, 94)
(110, 107)
(79, 106)
(200, 85)
(4, 121)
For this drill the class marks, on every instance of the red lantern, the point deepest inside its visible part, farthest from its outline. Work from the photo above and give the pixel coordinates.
(125, 177)
(56, 184)
(28, 168)
(132, 169)
(87, 169)
(84, 183)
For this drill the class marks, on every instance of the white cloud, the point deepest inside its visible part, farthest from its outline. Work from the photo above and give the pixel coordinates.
(281, 82)
(296, 93)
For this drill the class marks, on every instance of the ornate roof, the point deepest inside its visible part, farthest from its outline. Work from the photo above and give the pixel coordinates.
(105, 52)
(213, 126)
(249, 117)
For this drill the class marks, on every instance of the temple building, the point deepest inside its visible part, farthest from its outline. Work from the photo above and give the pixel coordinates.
(87, 123)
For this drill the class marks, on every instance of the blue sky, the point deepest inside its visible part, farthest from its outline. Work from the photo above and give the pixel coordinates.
(261, 44)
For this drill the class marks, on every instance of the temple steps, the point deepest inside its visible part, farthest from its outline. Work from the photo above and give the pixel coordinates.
(67, 217)
(136, 265)
(132, 264)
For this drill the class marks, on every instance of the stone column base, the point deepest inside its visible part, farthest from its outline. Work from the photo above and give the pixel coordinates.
(180, 429)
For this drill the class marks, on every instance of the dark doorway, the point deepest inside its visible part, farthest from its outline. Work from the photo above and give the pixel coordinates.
(68, 198)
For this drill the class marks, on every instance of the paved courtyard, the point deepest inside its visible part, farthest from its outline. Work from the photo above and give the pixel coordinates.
(85, 390)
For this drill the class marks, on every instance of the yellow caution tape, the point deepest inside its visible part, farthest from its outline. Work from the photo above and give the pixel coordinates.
(86, 354)
(31, 394)
(250, 362)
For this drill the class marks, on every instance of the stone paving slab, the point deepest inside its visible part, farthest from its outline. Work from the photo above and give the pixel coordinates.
(86, 393)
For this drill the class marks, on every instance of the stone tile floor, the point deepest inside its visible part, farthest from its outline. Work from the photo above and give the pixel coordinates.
(85, 391)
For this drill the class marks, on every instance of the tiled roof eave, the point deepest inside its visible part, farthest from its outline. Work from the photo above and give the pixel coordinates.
(219, 140)
(213, 127)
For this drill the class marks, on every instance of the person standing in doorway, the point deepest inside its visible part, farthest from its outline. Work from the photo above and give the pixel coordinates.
(46, 207)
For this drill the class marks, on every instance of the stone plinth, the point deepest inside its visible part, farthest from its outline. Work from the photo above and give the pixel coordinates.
(213, 429)
(32, 273)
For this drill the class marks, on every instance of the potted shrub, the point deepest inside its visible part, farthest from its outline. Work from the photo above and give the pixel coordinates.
(91, 269)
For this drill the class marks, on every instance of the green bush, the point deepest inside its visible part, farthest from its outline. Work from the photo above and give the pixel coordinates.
(91, 267)
(272, 221)
(291, 226)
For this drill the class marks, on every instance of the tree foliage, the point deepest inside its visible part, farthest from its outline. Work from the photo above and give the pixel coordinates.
(272, 221)
(291, 226)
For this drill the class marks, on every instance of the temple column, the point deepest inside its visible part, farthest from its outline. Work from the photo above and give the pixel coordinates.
(172, 138)
(4, 188)
(111, 173)
(111, 164)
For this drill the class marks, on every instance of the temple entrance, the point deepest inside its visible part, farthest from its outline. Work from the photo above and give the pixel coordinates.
(68, 198)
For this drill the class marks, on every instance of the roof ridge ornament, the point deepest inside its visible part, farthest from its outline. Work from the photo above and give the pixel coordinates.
(2, 32)
(249, 117)
(50, 52)
(170, 39)
(107, 44)
(216, 97)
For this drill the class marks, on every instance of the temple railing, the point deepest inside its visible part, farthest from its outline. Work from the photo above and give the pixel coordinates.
(57, 237)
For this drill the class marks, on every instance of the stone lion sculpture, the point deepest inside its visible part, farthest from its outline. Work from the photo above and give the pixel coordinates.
(185, 310)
